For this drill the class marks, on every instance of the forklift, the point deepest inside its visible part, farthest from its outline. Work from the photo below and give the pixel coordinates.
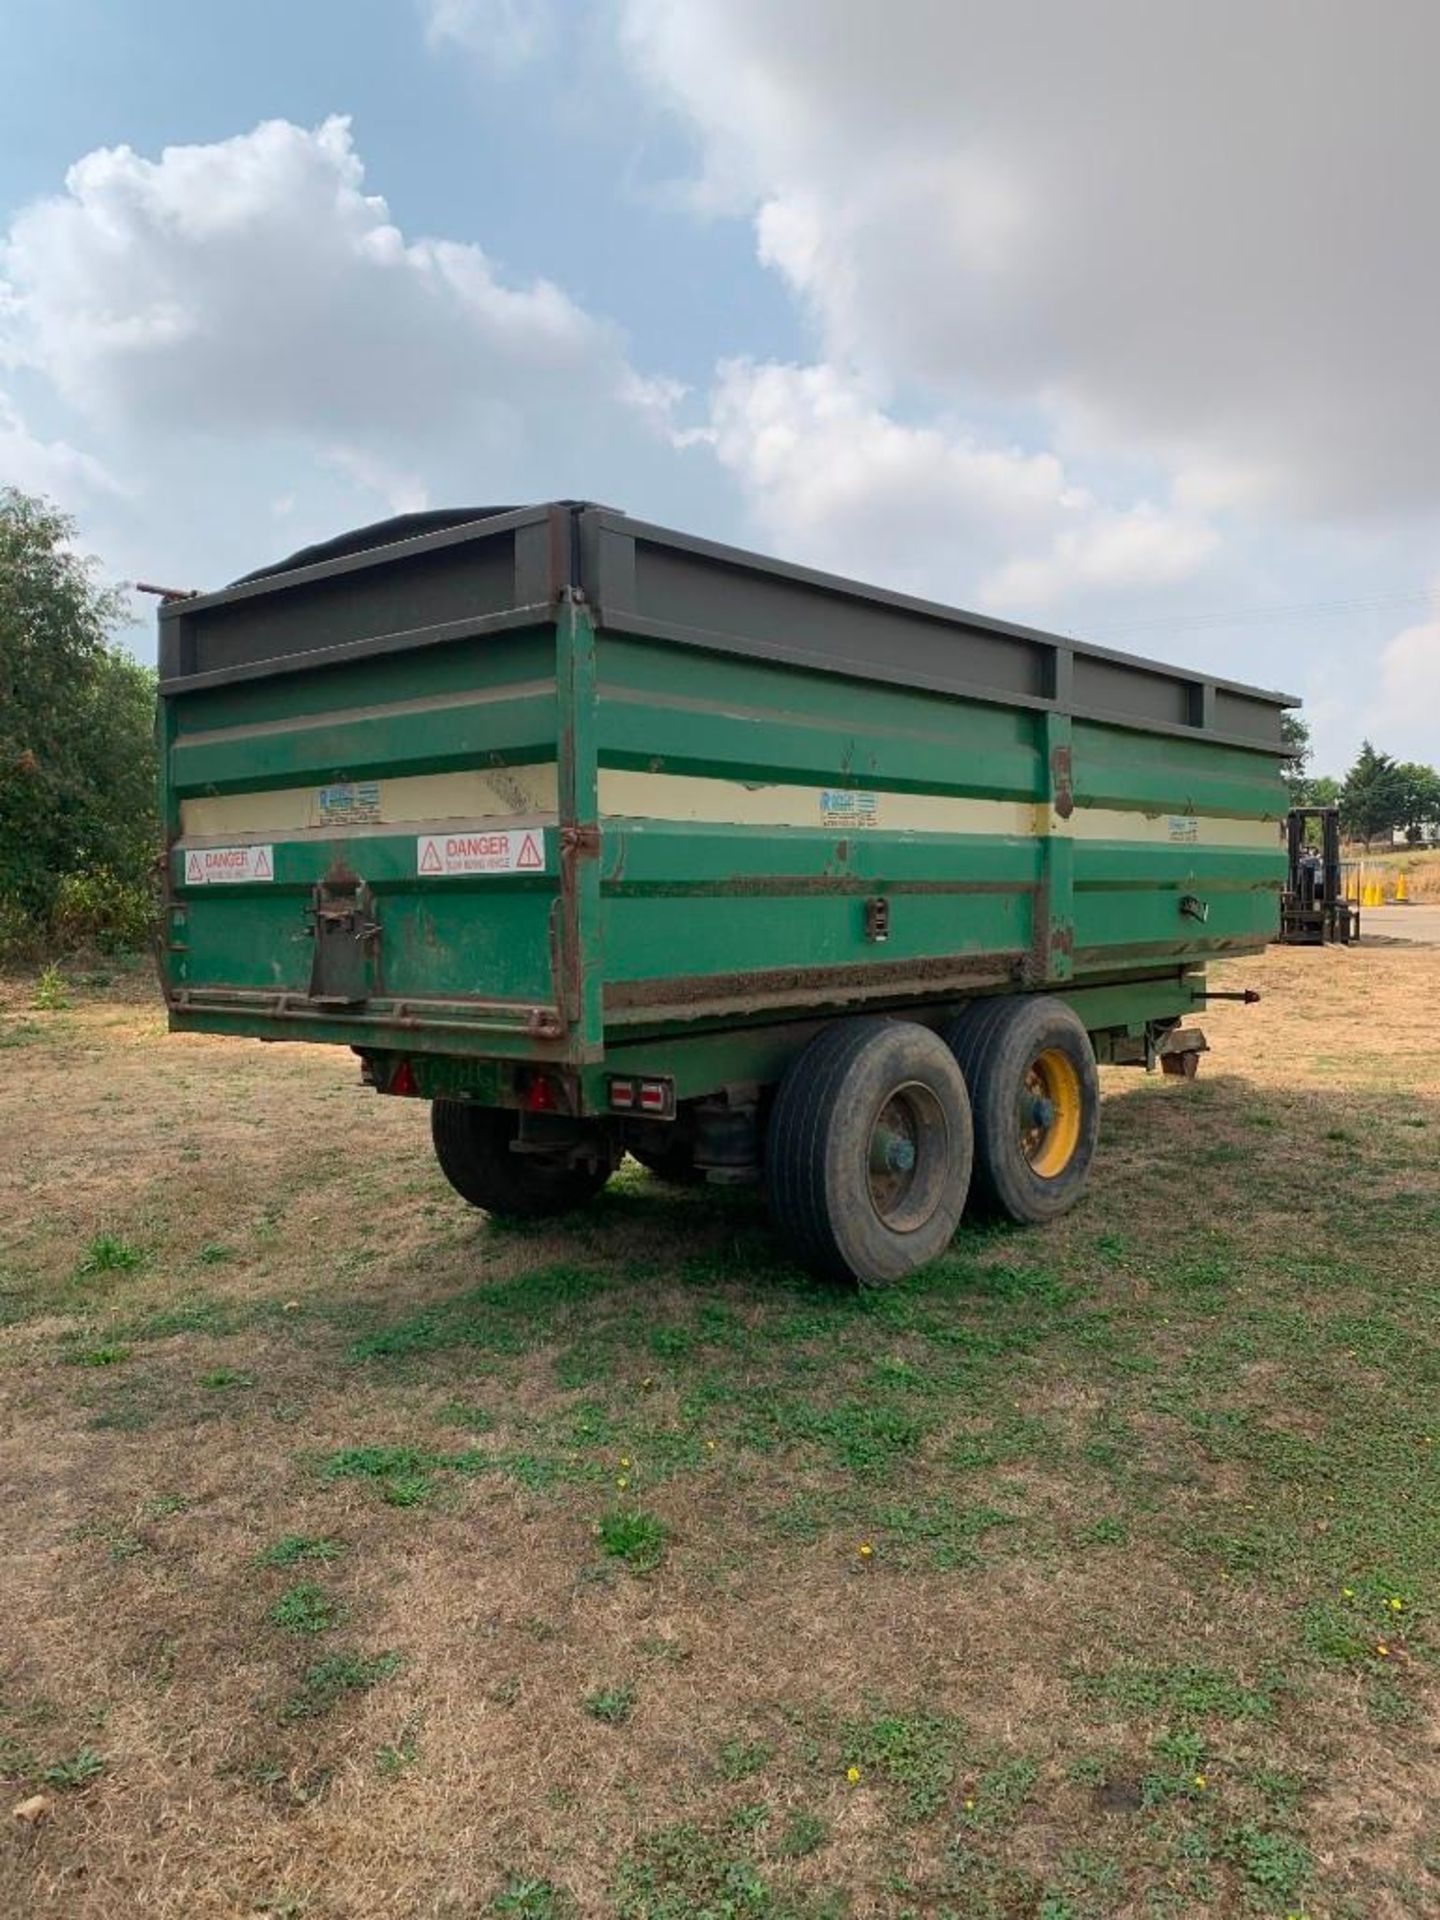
(1313, 908)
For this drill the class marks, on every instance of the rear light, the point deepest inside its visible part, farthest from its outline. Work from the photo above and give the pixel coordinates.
(653, 1097)
(403, 1079)
(539, 1095)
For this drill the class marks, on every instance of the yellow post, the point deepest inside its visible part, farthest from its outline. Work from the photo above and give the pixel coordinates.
(1402, 892)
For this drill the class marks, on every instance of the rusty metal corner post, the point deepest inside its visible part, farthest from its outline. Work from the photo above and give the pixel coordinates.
(170, 947)
(582, 956)
(1056, 914)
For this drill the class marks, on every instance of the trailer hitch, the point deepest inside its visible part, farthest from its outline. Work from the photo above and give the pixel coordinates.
(345, 939)
(1249, 996)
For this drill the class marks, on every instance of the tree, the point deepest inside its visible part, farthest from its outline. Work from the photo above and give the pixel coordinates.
(1421, 786)
(1295, 736)
(1322, 791)
(1373, 798)
(77, 752)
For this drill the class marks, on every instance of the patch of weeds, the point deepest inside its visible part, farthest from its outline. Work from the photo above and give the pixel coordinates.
(109, 1253)
(402, 1472)
(118, 1541)
(216, 1254)
(163, 1505)
(109, 1355)
(1183, 1692)
(947, 1533)
(1003, 1444)
(613, 1705)
(522, 1898)
(1000, 1792)
(464, 1413)
(681, 1872)
(1273, 1863)
(395, 1756)
(219, 1379)
(508, 1318)
(406, 1490)
(1336, 1635)
(76, 1772)
(1106, 1532)
(51, 995)
(196, 1315)
(306, 1608)
(804, 1833)
(740, 1758)
(333, 1679)
(754, 1817)
(292, 1548)
(917, 1753)
(634, 1536)
(1388, 1703)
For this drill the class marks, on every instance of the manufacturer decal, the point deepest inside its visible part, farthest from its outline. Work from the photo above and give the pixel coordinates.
(1184, 826)
(210, 866)
(444, 855)
(353, 804)
(839, 808)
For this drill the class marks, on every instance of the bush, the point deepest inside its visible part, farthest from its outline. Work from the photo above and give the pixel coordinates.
(101, 910)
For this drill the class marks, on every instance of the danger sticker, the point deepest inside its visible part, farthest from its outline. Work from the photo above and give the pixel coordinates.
(210, 866)
(519, 850)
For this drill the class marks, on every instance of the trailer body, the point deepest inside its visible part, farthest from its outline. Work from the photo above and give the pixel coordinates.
(552, 799)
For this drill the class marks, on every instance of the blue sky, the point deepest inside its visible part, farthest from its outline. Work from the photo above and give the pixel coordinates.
(1114, 325)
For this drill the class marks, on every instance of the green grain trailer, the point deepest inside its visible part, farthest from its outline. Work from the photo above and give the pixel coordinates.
(602, 838)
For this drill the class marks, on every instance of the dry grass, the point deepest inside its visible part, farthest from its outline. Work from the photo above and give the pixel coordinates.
(1420, 866)
(1116, 1479)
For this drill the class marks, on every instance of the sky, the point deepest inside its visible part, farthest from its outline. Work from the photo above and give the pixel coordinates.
(1120, 320)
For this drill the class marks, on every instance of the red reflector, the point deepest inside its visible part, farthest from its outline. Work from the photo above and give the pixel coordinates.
(653, 1096)
(540, 1095)
(622, 1093)
(403, 1079)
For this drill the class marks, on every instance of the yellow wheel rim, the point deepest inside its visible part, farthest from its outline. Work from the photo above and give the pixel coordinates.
(1051, 1108)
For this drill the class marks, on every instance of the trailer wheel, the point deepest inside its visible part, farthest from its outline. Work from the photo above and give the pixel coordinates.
(472, 1145)
(869, 1150)
(1035, 1094)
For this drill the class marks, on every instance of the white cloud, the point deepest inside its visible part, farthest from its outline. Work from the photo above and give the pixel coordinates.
(51, 467)
(504, 33)
(253, 284)
(1400, 714)
(834, 479)
(1199, 232)
(243, 319)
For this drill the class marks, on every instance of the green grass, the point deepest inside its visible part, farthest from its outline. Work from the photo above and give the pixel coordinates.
(109, 1354)
(613, 1705)
(109, 1253)
(76, 1771)
(222, 1379)
(916, 1755)
(306, 1607)
(1166, 1481)
(738, 1759)
(52, 992)
(330, 1681)
(634, 1536)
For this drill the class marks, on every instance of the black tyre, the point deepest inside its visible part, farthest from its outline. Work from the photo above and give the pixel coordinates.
(868, 1152)
(472, 1145)
(1035, 1097)
(674, 1163)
